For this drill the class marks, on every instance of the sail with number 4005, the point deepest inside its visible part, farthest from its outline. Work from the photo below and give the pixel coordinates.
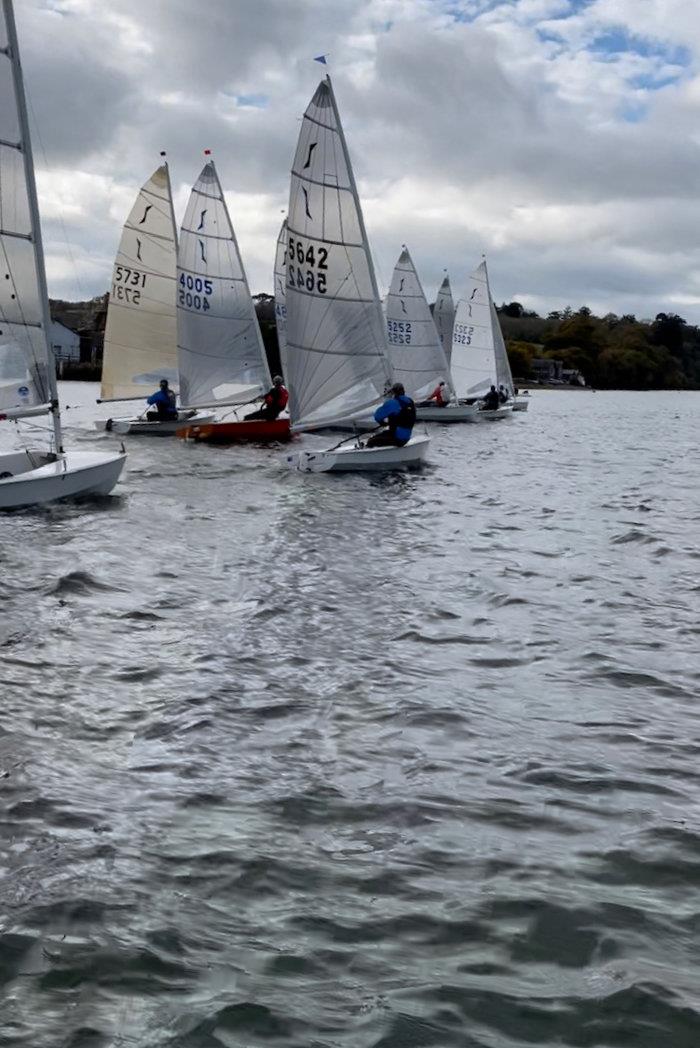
(220, 349)
(335, 358)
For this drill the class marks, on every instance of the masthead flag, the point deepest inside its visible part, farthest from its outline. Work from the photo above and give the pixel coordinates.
(321, 59)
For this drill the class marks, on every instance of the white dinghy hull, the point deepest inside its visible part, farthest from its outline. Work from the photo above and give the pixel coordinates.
(450, 413)
(353, 458)
(499, 413)
(136, 427)
(521, 403)
(37, 478)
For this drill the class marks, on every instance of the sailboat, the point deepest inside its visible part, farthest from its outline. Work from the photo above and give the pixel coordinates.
(478, 350)
(444, 316)
(28, 386)
(140, 346)
(415, 350)
(335, 354)
(221, 352)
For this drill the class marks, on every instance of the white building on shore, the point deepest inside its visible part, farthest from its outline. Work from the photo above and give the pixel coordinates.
(65, 343)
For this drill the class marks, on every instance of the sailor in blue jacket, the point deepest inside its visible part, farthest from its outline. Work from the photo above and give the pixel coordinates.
(164, 402)
(399, 415)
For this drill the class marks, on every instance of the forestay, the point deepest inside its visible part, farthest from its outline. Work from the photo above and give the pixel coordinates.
(280, 281)
(444, 316)
(335, 358)
(417, 357)
(473, 362)
(24, 380)
(220, 349)
(140, 337)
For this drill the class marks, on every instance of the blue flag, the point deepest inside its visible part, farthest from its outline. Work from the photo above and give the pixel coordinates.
(321, 59)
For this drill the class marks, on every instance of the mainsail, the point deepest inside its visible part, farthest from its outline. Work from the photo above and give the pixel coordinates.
(220, 349)
(416, 353)
(24, 374)
(140, 337)
(473, 362)
(335, 357)
(444, 316)
(280, 289)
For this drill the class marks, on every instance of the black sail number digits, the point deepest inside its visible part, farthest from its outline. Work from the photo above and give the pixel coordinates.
(127, 284)
(306, 266)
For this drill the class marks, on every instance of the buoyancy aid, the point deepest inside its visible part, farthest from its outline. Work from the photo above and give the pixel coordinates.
(406, 417)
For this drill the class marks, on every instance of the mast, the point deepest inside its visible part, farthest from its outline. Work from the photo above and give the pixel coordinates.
(26, 148)
(170, 196)
(363, 231)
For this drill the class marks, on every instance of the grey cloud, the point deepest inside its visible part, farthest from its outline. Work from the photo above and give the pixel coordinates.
(450, 106)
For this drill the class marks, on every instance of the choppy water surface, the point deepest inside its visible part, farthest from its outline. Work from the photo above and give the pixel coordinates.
(347, 761)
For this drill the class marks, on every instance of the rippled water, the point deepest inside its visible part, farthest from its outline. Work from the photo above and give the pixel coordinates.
(315, 761)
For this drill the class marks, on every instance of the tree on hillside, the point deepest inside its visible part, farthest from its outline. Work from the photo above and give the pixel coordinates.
(668, 330)
(520, 357)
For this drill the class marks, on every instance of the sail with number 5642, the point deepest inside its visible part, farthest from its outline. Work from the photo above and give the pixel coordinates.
(335, 356)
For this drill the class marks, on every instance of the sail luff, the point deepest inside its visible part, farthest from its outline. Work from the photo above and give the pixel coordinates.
(279, 284)
(35, 221)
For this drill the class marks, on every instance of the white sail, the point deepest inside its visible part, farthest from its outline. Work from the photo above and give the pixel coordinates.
(504, 375)
(140, 337)
(335, 358)
(280, 281)
(473, 362)
(416, 353)
(444, 316)
(24, 378)
(220, 349)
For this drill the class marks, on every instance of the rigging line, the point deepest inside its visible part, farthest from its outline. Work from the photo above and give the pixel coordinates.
(48, 170)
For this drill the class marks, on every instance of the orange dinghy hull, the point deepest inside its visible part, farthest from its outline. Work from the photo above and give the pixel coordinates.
(231, 432)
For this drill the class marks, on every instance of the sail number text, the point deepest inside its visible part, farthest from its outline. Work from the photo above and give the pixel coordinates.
(463, 334)
(306, 265)
(193, 292)
(127, 284)
(399, 332)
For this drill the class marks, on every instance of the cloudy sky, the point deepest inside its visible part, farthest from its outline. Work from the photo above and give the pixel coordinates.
(560, 137)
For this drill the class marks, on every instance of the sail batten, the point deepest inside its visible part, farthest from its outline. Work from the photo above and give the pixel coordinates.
(140, 335)
(335, 354)
(220, 349)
